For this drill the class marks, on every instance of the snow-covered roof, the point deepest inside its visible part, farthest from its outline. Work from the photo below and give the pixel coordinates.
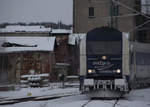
(19, 28)
(17, 44)
(61, 31)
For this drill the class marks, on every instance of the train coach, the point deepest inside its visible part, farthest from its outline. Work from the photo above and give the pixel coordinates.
(139, 64)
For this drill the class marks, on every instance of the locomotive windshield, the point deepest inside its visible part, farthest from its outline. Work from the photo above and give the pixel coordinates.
(104, 47)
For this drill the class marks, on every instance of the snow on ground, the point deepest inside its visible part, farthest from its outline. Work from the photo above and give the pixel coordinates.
(35, 92)
(139, 95)
(137, 98)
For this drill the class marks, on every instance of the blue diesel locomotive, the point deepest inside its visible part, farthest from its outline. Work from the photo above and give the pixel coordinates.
(104, 63)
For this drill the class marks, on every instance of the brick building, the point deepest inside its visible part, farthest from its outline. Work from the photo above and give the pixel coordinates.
(63, 58)
(21, 55)
(20, 49)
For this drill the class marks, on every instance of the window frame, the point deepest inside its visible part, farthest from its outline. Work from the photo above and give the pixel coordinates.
(91, 12)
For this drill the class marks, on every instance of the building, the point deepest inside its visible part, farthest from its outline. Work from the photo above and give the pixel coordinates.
(24, 49)
(64, 64)
(21, 55)
(120, 14)
(74, 42)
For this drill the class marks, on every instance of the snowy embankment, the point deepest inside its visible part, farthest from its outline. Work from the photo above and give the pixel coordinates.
(35, 92)
(136, 98)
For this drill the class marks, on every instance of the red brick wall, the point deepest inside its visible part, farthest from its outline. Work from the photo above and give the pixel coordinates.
(61, 50)
(22, 63)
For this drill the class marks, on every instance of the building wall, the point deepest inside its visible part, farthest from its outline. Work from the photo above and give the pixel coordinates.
(3, 68)
(61, 50)
(44, 62)
(63, 59)
(21, 63)
(83, 23)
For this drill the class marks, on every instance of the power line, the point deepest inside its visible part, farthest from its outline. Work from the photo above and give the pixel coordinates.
(131, 9)
(121, 16)
(127, 15)
(140, 25)
(99, 2)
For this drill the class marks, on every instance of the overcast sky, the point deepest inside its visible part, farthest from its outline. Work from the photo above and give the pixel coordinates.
(36, 11)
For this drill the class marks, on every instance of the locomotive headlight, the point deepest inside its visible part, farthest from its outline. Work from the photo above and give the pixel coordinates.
(89, 71)
(118, 70)
(104, 57)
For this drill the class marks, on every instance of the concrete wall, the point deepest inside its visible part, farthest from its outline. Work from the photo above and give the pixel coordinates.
(125, 56)
(140, 63)
(83, 23)
(83, 57)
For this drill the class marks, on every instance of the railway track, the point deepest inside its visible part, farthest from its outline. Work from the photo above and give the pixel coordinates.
(105, 101)
(89, 101)
(115, 103)
(86, 103)
(57, 96)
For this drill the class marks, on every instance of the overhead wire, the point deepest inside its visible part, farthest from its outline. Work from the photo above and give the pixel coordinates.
(136, 27)
(127, 15)
(119, 16)
(133, 10)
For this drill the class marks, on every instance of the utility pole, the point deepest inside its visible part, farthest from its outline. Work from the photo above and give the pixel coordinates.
(116, 7)
(113, 11)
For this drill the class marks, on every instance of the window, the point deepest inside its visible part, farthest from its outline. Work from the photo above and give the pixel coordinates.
(104, 47)
(145, 6)
(91, 11)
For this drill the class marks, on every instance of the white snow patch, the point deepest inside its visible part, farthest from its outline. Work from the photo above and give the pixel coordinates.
(40, 75)
(38, 43)
(19, 28)
(73, 38)
(137, 98)
(61, 31)
(35, 92)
